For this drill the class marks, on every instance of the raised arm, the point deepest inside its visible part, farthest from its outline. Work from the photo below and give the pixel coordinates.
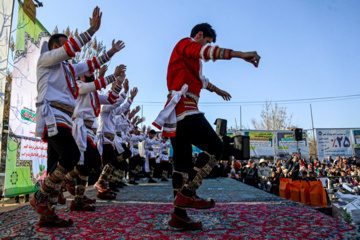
(128, 103)
(64, 48)
(102, 81)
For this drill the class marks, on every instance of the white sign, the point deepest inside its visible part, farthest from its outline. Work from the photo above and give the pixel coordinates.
(36, 151)
(261, 143)
(24, 92)
(334, 142)
(286, 145)
(6, 8)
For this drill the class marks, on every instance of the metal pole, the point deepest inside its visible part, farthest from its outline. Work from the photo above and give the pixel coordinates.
(235, 126)
(312, 122)
(142, 108)
(240, 119)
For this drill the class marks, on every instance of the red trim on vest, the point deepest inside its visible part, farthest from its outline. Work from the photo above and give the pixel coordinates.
(57, 124)
(97, 84)
(96, 105)
(76, 93)
(91, 142)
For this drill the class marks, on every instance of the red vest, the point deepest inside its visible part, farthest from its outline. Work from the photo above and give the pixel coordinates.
(185, 68)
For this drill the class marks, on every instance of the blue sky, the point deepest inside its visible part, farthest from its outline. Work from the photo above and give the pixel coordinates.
(309, 49)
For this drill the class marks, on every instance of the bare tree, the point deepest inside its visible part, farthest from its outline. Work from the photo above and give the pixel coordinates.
(93, 48)
(272, 117)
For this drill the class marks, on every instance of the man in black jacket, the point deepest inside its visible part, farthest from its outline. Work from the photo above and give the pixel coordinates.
(294, 166)
(251, 176)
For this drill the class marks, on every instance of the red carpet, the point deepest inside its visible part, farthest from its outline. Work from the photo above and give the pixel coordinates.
(149, 221)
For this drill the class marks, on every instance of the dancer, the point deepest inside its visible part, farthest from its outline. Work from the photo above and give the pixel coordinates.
(87, 109)
(150, 158)
(57, 92)
(165, 165)
(122, 127)
(135, 161)
(186, 125)
(106, 134)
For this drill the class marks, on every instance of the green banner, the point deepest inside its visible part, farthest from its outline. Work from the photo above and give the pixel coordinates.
(18, 179)
(25, 24)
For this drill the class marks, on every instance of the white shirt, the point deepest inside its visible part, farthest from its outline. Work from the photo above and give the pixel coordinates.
(56, 83)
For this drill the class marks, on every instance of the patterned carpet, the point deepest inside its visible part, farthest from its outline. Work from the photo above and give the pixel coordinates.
(142, 212)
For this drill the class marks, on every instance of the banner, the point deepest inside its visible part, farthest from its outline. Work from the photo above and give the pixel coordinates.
(261, 143)
(26, 159)
(35, 151)
(6, 9)
(286, 145)
(18, 174)
(334, 142)
(356, 135)
(30, 38)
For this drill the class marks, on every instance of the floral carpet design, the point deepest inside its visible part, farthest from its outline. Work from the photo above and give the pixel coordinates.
(119, 219)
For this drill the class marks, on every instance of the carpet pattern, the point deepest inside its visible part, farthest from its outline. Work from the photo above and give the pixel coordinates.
(119, 219)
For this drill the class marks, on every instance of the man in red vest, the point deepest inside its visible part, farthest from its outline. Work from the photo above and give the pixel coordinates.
(186, 125)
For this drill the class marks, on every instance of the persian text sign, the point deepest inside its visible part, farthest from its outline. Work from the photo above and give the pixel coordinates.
(36, 151)
(261, 144)
(334, 142)
(286, 145)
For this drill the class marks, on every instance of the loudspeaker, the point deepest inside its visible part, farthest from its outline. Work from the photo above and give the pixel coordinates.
(241, 147)
(220, 126)
(297, 134)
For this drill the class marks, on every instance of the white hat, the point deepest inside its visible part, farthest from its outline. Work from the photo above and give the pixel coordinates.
(262, 160)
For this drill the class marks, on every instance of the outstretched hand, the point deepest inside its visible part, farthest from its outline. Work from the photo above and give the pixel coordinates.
(140, 120)
(120, 71)
(95, 21)
(133, 93)
(225, 95)
(134, 120)
(102, 71)
(252, 57)
(132, 114)
(116, 47)
(137, 109)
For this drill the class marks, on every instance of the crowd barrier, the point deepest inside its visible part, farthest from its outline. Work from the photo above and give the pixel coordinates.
(307, 192)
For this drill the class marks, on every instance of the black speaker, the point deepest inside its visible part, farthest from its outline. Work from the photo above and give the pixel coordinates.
(221, 126)
(297, 134)
(241, 147)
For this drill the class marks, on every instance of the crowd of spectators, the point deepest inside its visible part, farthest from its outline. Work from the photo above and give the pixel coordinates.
(265, 174)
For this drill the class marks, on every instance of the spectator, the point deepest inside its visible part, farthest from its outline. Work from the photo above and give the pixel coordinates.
(285, 172)
(294, 167)
(347, 184)
(264, 174)
(312, 176)
(337, 160)
(233, 174)
(251, 176)
(275, 181)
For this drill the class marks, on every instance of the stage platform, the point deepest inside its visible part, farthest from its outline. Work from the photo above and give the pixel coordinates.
(142, 212)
